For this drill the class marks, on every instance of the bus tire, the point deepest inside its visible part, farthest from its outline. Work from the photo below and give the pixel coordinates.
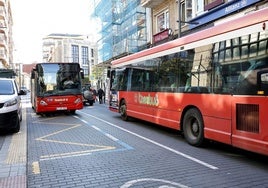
(193, 127)
(123, 111)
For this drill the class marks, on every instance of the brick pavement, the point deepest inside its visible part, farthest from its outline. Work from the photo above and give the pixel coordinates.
(13, 155)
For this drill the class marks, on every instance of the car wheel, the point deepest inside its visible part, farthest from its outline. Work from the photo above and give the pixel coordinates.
(20, 115)
(17, 127)
(72, 112)
(91, 103)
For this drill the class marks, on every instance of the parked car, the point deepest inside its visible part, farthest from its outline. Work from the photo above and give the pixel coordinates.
(10, 105)
(89, 96)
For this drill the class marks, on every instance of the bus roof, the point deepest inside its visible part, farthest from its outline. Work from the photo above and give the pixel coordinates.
(56, 63)
(46, 63)
(247, 20)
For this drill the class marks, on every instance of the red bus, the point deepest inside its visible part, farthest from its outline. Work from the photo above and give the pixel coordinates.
(56, 87)
(212, 84)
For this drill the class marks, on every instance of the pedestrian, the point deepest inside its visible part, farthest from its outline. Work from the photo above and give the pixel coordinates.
(100, 94)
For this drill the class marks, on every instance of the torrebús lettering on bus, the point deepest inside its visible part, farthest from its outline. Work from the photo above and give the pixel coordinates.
(148, 99)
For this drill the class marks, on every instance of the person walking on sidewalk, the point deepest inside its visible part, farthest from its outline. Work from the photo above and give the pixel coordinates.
(100, 94)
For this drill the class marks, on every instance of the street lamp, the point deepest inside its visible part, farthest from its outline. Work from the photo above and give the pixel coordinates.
(17, 69)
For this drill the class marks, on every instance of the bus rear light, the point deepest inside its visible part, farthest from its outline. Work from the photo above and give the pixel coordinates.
(43, 103)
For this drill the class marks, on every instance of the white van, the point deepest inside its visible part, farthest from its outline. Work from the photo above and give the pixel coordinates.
(10, 105)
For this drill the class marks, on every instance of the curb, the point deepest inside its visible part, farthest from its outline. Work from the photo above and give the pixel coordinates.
(13, 157)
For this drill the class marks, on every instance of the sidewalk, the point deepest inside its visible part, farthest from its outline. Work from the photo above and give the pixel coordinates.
(13, 157)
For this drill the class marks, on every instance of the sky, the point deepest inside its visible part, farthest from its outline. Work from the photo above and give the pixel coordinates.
(35, 19)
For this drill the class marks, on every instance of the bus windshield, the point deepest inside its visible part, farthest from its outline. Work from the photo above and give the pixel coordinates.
(58, 79)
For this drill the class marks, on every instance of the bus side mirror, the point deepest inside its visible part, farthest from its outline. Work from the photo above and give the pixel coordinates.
(33, 73)
(262, 81)
(82, 74)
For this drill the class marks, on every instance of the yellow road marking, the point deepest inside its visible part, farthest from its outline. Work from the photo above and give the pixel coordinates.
(57, 132)
(45, 138)
(77, 153)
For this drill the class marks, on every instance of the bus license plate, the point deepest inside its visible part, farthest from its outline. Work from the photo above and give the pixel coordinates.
(61, 108)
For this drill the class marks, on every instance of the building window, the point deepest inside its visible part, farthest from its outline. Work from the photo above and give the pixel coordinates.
(210, 4)
(92, 52)
(84, 55)
(162, 21)
(75, 53)
(198, 7)
(182, 13)
(186, 11)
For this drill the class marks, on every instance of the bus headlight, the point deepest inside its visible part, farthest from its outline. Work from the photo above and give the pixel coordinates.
(77, 101)
(114, 97)
(43, 103)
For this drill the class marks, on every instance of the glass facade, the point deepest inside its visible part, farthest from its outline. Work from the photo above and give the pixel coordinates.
(123, 28)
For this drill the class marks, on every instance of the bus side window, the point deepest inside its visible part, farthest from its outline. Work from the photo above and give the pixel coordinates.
(147, 83)
(188, 82)
(247, 82)
(135, 81)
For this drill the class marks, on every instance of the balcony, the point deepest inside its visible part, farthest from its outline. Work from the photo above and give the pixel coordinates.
(3, 40)
(2, 11)
(151, 3)
(2, 53)
(2, 2)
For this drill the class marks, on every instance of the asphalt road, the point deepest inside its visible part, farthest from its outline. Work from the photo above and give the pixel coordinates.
(95, 148)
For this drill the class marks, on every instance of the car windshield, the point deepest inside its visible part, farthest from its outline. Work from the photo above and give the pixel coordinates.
(6, 87)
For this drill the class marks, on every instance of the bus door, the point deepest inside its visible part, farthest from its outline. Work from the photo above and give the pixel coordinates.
(142, 99)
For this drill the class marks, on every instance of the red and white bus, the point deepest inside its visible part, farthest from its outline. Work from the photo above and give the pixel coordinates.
(212, 84)
(56, 87)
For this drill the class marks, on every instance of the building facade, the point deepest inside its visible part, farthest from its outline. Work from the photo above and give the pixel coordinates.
(172, 19)
(72, 49)
(123, 28)
(131, 26)
(6, 40)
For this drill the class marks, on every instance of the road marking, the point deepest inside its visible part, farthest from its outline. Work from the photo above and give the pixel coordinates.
(126, 146)
(93, 147)
(156, 143)
(35, 167)
(169, 184)
(74, 154)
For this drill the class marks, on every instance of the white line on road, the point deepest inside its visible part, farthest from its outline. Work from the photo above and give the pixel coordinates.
(170, 184)
(156, 143)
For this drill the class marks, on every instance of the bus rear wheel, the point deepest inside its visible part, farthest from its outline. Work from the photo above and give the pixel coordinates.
(193, 127)
(123, 111)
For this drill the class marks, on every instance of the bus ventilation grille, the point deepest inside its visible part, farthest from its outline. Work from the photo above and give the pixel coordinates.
(247, 118)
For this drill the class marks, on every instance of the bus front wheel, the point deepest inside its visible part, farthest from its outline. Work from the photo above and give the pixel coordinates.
(193, 127)
(123, 111)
